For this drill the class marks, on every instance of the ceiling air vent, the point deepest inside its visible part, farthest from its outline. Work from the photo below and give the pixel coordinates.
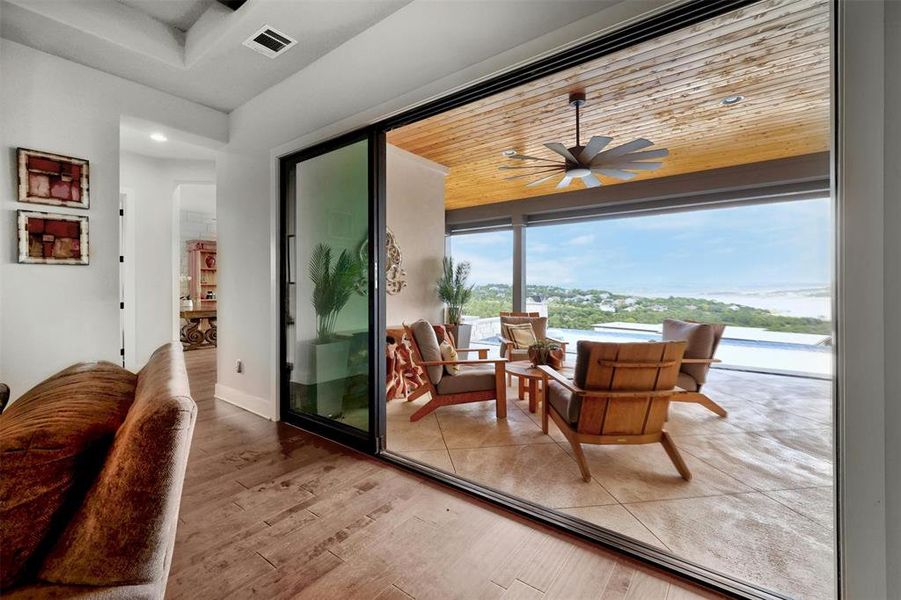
(269, 42)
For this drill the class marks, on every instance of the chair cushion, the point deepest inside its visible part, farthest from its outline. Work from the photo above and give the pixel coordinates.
(539, 325)
(428, 348)
(448, 352)
(567, 404)
(701, 340)
(469, 379)
(522, 335)
(687, 382)
(583, 357)
(53, 442)
(514, 354)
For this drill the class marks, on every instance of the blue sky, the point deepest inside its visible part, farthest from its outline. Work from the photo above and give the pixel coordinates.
(764, 247)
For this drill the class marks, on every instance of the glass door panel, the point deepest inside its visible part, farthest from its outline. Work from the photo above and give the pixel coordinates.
(326, 320)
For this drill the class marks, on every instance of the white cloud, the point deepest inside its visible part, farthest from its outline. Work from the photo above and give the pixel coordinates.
(581, 240)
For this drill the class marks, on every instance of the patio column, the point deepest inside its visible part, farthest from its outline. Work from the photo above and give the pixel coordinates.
(519, 263)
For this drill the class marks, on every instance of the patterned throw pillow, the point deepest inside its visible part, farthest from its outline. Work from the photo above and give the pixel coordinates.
(448, 352)
(53, 443)
(522, 335)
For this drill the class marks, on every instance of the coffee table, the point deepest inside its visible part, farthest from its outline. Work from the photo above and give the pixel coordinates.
(532, 376)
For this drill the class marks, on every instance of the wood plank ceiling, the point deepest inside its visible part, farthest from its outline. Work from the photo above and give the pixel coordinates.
(774, 53)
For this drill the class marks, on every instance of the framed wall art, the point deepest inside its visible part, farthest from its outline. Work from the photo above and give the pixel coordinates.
(53, 239)
(46, 178)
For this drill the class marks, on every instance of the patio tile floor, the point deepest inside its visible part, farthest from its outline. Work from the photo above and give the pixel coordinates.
(759, 505)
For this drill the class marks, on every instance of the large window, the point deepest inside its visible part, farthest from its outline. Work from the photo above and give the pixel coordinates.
(763, 270)
(490, 257)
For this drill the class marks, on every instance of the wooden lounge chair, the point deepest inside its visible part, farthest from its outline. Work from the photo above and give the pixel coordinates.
(479, 379)
(702, 340)
(620, 395)
(508, 347)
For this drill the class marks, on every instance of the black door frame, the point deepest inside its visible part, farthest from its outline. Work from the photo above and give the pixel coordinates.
(372, 440)
(687, 14)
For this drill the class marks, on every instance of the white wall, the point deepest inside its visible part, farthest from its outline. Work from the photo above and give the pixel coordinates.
(415, 213)
(153, 182)
(892, 235)
(869, 296)
(246, 319)
(56, 315)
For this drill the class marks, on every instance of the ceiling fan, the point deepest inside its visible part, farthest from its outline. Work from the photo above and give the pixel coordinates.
(585, 162)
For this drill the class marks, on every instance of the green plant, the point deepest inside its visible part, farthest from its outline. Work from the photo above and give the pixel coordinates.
(545, 345)
(540, 352)
(452, 288)
(332, 287)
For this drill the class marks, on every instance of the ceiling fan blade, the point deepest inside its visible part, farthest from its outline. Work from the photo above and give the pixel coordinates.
(595, 145)
(540, 181)
(564, 182)
(591, 181)
(562, 151)
(534, 173)
(626, 148)
(659, 153)
(615, 173)
(525, 157)
(635, 166)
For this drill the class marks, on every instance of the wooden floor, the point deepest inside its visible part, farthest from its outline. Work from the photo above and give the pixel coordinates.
(269, 511)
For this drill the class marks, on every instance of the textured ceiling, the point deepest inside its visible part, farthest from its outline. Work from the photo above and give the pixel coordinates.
(668, 90)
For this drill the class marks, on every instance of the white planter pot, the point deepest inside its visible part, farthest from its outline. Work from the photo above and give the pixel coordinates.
(331, 377)
(464, 335)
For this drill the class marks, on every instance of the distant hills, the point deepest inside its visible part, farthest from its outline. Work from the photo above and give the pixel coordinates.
(582, 309)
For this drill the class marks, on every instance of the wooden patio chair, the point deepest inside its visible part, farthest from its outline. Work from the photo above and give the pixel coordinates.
(508, 347)
(620, 395)
(702, 340)
(479, 379)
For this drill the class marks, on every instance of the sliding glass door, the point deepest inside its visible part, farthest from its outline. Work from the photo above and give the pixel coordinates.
(329, 296)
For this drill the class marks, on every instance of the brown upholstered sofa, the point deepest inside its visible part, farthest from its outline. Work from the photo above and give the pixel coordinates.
(93, 461)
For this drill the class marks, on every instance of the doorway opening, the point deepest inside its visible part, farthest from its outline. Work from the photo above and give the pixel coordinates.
(168, 262)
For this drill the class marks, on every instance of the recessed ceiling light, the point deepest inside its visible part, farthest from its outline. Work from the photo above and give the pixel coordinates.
(731, 100)
(158, 137)
(510, 152)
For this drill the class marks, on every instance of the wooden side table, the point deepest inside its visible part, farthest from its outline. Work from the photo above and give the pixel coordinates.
(531, 376)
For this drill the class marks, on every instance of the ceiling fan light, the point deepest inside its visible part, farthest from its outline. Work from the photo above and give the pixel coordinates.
(579, 172)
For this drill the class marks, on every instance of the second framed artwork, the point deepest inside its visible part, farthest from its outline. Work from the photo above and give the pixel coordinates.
(46, 178)
(49, 238)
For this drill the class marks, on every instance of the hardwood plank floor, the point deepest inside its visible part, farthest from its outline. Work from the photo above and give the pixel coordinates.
(270, 511)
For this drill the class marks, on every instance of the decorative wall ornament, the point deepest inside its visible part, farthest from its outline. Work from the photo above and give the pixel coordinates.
(48, 238)
(395, 276)
(46, 178)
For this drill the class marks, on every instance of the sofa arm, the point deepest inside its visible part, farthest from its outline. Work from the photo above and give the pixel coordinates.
(125, 530)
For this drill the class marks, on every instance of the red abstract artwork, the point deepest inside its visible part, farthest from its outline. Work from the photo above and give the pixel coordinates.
(46, 178)
(48, 238)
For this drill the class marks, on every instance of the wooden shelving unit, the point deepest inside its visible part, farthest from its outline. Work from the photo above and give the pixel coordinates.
(202, 265)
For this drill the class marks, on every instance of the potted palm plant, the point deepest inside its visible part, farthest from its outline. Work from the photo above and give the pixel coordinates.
(455, 293)
(333, 287)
